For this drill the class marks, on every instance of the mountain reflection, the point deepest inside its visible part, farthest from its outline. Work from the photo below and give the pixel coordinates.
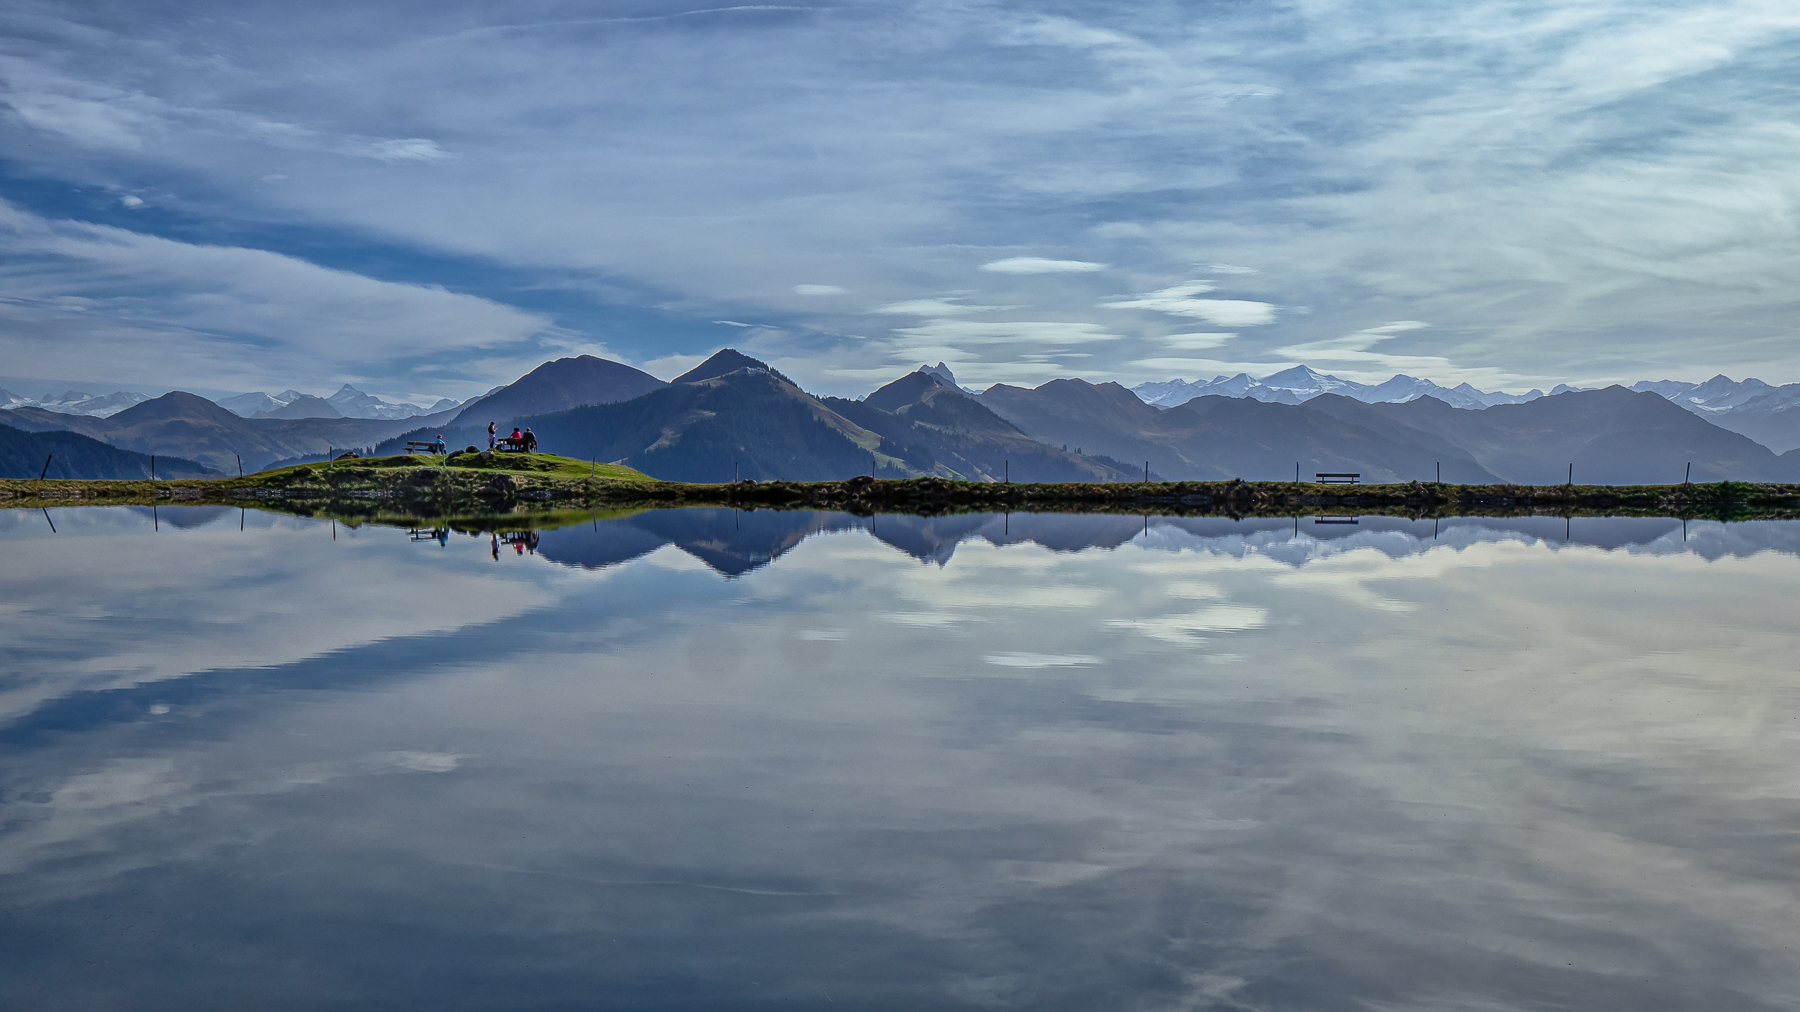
(733, 542)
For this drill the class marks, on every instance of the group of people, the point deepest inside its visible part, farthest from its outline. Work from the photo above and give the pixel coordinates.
(526, 440)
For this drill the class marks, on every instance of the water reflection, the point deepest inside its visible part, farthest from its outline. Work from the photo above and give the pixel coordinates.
(957, 762)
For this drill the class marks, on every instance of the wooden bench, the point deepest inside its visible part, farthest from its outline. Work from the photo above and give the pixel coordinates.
(509, 443)
(1337, 477)
(414, 446)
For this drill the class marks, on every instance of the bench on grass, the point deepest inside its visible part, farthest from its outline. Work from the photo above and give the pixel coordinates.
(431, 446)
(1337, 477)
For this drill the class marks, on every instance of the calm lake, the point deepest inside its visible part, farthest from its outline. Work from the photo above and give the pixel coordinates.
(696, 759)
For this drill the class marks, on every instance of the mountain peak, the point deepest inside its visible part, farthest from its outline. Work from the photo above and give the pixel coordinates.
(724, 362)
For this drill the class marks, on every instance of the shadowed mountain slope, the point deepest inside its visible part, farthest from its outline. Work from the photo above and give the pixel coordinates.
(932, 427)
(1220, 437)
(1612, 436)
(557, 386)
(73, 455)
(694, 431)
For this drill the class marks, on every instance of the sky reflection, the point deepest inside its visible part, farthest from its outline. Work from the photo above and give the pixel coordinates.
(1044, 762)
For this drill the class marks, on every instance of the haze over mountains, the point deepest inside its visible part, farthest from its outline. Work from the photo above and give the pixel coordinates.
(735, 416)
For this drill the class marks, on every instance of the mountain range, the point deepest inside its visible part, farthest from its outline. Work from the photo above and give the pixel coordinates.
(735, 416)
(186, 425)
(74, 402)
(348, 402)
(1751, 407)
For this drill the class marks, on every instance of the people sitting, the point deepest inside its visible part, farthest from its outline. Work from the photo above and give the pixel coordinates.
(530, 440)
(439, 444)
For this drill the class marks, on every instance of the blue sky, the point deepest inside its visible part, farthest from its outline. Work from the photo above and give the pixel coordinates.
(429, 199)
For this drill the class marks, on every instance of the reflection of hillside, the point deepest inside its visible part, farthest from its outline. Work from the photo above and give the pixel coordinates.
(732, 542)
(184, 518)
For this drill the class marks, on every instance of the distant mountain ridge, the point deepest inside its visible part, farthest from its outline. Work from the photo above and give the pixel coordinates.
(73, 402)
(187, 425)
(1768, 414)
(1302, 383)
(348, 402)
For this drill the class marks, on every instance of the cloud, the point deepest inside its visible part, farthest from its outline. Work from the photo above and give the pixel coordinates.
(934, 307)
(1026, 332)
(1194, 342)
(1566, 192)
(818, 290)
(1351, 345)
(159, 310)
(1014, 659)
(1179, 301)
(1039, 265)
(133, 202)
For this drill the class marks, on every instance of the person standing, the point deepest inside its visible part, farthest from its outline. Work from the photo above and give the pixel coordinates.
(492, 428)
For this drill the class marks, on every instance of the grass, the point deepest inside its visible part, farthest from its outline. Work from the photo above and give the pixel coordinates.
(546, 464)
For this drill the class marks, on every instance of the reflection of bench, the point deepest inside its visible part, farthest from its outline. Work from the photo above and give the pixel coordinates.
(1338, 477)
(1334, 520)
(414, 446)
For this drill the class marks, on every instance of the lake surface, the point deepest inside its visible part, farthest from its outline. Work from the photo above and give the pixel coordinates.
(706, 760)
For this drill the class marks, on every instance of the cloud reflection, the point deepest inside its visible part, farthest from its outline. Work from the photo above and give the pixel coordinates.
(1141, 764)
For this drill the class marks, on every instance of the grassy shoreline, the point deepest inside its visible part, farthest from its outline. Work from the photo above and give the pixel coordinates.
(402, 487)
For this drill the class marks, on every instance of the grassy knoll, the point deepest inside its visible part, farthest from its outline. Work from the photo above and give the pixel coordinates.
(402, 488)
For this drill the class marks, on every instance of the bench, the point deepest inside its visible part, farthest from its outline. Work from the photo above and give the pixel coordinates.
(1337, 477)
(509, 443)
(414, 446)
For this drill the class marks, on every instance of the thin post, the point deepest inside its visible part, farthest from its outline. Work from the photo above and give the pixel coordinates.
(1689, 473)
(52, 523)
(1440, 477)
(1146, 473)
(240, 460)
(46, 469)
(1296, 472)
(1006, 465)
(1571, 474)
(153, 467)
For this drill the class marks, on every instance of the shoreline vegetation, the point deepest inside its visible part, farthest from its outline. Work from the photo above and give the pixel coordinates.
(469, 486)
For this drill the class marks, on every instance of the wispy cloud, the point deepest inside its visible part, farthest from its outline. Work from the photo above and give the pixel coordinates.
(1039, 265)
(934, 307)
(1179, 301)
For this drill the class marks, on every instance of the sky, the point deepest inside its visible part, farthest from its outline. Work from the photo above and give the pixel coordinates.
(429, 199)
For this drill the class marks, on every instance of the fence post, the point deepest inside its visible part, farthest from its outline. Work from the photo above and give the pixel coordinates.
(46, 469)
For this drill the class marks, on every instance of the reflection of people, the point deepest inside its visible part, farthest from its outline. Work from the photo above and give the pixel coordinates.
(496, 537)
(492, 428)
(530, 440)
